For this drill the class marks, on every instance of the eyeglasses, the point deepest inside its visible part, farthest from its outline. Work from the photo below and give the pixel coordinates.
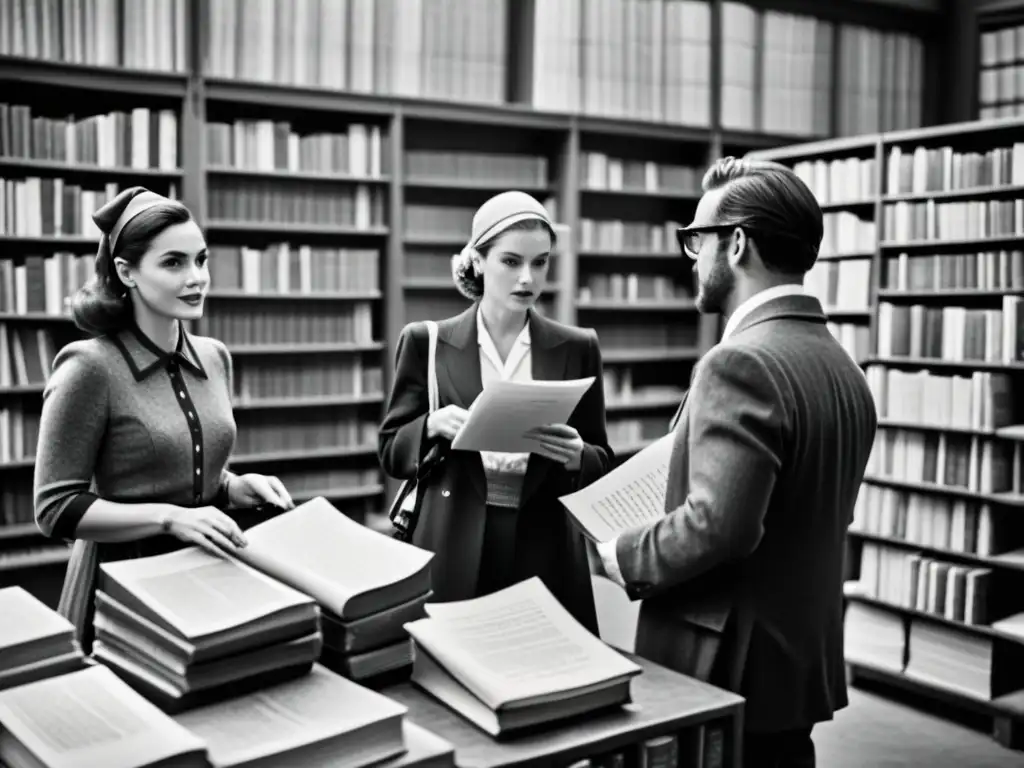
(691, 239)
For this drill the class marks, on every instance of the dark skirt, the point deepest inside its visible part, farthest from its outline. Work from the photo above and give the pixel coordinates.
(498, 566)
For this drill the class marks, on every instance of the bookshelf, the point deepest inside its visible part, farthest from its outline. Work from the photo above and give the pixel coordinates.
(334, 180)
(936, 558)
(1000, 85)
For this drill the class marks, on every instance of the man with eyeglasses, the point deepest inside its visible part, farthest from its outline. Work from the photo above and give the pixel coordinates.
(741, 581)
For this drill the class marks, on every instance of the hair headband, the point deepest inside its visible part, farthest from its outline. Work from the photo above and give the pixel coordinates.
(141, 202)
(501, 212)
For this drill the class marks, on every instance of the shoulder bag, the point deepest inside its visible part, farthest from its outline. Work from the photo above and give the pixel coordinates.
(405, 508)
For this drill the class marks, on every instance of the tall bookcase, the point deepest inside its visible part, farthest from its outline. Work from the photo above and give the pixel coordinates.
(936, 562)
(334, 158)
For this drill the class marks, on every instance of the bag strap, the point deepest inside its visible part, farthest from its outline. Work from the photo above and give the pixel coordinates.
(432, 394)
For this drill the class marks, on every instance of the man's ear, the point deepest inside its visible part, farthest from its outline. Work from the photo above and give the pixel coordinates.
(124, 272)
(739, 251)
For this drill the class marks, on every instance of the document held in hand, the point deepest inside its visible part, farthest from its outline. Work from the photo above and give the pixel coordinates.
(630, 495)
(506, 410)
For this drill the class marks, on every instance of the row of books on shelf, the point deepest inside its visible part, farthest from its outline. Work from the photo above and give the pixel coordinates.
(916, 171)
(935, 522)
(844, 233)
(841, 286)
(38, 207)
(451, 222)
(19, 433)
(839, 180)
(142, 138)
(306, 376)
(958, 462)
(631, 287)
(40, 284)
(145, 36)
(195, 648)
(284, 268)
(980, 400)
(952, 334)
(628, 433)
(656, 334)
(612, 235)
(361, 206)
(620, 387)
(280, 432)
(512, 169)
(931, 652)
(26, 355)
(927, 584)
(1001, 270)
(855, 338)
(312, 323)
(1002, 86)
(600, 172)
(944, 169)
(361, 150)
(967, 220)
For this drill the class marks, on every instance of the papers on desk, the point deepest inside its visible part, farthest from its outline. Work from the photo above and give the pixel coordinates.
(516, 658)
(631, 495)
(506, 410)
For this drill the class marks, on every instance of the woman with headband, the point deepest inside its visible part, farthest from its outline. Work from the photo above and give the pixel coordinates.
(137, 426)
(494, 519)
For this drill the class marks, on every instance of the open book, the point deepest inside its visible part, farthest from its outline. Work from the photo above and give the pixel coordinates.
(90, 718)
(35, 641)
(631, 495)
(350, 570)
(318, 719)
(516, 658)
(505, 410)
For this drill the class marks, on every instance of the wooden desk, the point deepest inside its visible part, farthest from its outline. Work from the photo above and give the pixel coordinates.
(664, 702)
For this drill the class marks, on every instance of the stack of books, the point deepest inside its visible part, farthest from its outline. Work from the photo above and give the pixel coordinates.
(368, 585)
(35, 641)
(516, 659)
(318, 719)
(189, 627)
(90, 718)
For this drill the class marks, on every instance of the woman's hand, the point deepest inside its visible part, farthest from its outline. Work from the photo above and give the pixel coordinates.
(252, 489)
(558, 442)
(206, 527)
(446, 422)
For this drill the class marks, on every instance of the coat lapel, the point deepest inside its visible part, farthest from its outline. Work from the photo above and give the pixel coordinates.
(458, 370)
(549, 362)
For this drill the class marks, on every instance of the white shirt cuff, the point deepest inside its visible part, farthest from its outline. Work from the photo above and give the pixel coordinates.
(610, 560)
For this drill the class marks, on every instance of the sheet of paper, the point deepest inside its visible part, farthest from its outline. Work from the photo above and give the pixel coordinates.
(505, 410)
(630, 495)
(518, 643)
(92, 718)
(198, 593)
(286, 716)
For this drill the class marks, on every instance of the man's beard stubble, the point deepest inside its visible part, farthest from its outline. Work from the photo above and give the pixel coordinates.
(714, 291)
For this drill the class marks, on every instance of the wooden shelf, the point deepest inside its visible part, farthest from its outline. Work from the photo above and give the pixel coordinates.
(323, 401)
(286, 348)
(941, 428)
(950, 195)
(982, 630)
(990, 561)
(947, 294)
(240, 295)
(645, 194)
(653, 354)
(953, 246)
(628, 254)
(82, 170)
(476, 185)
(128, 82)
(644, 305)
(928, 362)
(33, 317)
(1004, 498)
(644, 404)
(273, 457)
(279, 175)
(294, 229)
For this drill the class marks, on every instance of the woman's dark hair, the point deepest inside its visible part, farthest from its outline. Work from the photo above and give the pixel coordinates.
(102, 305)
(782, 214)
(470, 284)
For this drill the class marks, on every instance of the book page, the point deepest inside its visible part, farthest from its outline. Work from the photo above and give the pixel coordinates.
(321, 551)
(631, 495)
(517, 644)
(92, 718)
(199, 593)
(312, 708)
(507, 409)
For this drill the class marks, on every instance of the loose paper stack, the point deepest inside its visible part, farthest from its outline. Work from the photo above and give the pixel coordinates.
(90, 718)
(516, 659)
(368, 585)
(35, 641)
(188, 627)
(319, 719)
